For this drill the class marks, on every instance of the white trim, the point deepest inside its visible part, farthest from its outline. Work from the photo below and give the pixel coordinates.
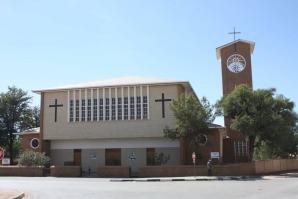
(116, 104)
(80, 105)
(74, 105)
(86, 106)
(32, 145)
(97, 90)
(135, 101)
(122, 103)
(128, 98)
(104, 104)
(115, 143)
(68, 106)
(110, 104)
(141, 94)
(92, 104)
(148, 103)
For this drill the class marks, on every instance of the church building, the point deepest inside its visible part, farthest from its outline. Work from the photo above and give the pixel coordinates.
(121, 121)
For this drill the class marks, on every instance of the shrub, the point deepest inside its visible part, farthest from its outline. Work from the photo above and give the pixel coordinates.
(32, 158)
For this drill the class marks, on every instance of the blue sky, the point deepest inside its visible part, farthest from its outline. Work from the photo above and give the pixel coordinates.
(53, 43)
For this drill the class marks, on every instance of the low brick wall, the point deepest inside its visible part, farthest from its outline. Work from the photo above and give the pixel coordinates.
(168, 171)
(113, 171)
(251, 168)
(21, 171)
(66, 171)
(275, 166)
(234, 169)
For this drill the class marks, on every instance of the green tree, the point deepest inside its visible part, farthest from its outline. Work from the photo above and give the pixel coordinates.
(31, 118)
(263, 116)
(192, 119)
(14, 111)
(33, 158)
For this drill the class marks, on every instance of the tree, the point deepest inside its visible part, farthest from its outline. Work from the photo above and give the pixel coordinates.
(32, 118)
(261, 115)
(14, 112)
(33, 158)
(192, 119)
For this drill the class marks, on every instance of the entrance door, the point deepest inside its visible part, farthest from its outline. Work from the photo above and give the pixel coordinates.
(77, 157)
(228, 150)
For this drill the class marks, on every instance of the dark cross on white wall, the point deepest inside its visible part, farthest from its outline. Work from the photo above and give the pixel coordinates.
(234, 33)
(56, 105)
(163, 100)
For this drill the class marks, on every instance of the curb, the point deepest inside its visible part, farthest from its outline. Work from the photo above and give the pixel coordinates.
(219, 178)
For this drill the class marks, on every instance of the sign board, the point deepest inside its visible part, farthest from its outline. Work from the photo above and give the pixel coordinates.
(1, 153)
(5, 161)
(132, 156)
(214, 155)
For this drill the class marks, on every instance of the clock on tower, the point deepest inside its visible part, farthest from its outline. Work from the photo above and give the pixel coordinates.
(236, 69)
(235, 64)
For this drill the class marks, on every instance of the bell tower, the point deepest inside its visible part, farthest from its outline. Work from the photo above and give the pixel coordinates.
(236, 69)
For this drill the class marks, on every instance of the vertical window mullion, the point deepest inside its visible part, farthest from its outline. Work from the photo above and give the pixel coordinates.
(141, 95)
(80, 105)
(122, 103)
(148, 103)
(92, 104)
(135, 101)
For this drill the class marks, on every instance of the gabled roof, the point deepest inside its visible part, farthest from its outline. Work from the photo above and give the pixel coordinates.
(251, 43)
(31, 131)
(122, 81)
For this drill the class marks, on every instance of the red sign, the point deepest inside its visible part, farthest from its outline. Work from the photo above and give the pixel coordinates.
(1, 153)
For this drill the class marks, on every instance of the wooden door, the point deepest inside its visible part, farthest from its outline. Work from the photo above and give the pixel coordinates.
(228, 151)
(77, 157)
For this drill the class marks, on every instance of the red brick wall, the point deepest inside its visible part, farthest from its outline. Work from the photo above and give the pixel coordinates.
(21, 171)
(66, 171)
(113, 171)
(26, 139)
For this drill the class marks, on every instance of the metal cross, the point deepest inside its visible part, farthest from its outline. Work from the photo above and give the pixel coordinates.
(55, 106)
(163, 100)
(234, 33)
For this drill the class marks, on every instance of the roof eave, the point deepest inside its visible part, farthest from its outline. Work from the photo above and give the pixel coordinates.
(218, 49)
(107, 86)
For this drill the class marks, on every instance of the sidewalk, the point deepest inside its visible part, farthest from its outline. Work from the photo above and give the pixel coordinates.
(187, 178)
(11, 194)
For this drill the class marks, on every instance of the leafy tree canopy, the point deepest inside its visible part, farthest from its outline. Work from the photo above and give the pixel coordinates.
(15, 113)
(263, 116)
(192, 118)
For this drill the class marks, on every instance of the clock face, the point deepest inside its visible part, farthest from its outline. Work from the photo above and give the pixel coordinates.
(236, 63)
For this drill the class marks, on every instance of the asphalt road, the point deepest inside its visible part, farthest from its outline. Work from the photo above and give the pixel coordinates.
(50, 187)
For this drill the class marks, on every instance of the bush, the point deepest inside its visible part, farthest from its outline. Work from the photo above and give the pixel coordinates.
(32, 158)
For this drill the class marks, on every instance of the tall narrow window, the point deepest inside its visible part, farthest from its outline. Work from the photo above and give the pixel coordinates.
(113, 108)
(77, 110)
(119, 108)
(89, 110)
(139, 111)
(132, 108)
(101, 109)
(150, 156)
(83, 108)
(71, 110)
(125, 108)
(107, 109)
(94, 109)
(145, 107)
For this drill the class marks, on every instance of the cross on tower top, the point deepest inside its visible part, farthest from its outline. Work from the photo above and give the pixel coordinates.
(234, 33)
